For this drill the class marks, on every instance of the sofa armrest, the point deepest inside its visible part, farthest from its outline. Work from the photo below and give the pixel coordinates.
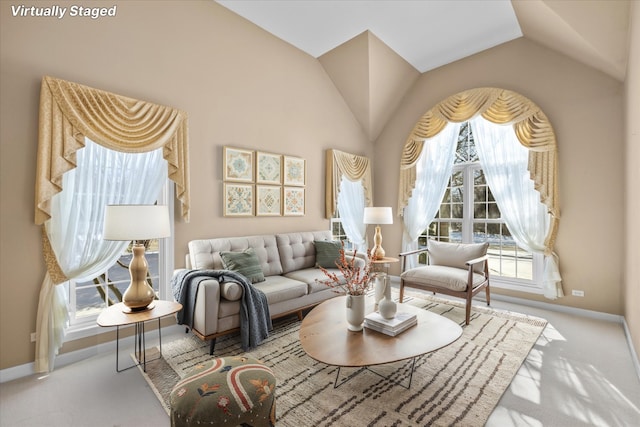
(205, 314)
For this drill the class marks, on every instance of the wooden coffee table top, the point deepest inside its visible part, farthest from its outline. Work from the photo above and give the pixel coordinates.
(324, 336)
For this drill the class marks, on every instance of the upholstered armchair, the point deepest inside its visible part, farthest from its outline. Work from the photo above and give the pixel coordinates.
(456, 269)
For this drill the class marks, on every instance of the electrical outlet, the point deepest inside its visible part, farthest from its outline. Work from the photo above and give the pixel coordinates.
(33, 337)
(577, 293)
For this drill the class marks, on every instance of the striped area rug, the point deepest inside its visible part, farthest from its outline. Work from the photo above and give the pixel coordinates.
(457, 385)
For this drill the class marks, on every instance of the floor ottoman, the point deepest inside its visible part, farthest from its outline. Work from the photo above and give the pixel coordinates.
(226, 391)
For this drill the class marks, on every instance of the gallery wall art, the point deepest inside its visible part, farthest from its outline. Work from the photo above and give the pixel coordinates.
(258, 183)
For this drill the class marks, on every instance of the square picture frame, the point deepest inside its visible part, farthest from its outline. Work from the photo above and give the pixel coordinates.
(294, 171)
(268, 168)
(238, 199)
(237, 164)
(293, 201)
(268, 200)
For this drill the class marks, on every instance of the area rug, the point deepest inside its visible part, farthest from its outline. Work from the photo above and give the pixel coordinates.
(457, 385)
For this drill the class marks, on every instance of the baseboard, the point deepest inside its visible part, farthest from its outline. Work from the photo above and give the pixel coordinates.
(559, 308)
(28, 369)
(634, 355)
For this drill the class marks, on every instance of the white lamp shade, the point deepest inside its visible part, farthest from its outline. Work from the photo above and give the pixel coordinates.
(378, 215)
(136, 222)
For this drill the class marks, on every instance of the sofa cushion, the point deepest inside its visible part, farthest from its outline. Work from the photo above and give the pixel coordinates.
(245, 262)
(456, 254)
(309, 276)
(280, 288)
(327, 252)
(297, 250)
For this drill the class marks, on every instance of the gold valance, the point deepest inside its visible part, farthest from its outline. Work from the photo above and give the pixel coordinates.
(499, 106)
(69, 112)
(355, 168)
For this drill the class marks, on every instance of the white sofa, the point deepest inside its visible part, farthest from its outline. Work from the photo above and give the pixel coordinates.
(288, 262)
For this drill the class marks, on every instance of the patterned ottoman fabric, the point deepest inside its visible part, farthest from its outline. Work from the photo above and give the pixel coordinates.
(225, 392)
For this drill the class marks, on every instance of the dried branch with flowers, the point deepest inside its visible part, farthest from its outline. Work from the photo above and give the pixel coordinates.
(353, 278)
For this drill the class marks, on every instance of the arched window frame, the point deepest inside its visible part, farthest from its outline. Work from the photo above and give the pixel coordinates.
(532, 129)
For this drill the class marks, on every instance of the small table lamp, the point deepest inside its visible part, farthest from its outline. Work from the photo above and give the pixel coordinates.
(378, 216)
(136, 223)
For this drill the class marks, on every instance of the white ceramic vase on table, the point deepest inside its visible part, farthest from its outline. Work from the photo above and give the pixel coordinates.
(355, 312)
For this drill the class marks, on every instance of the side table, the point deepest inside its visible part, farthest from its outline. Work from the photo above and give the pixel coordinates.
(382, 265)
(115, 316)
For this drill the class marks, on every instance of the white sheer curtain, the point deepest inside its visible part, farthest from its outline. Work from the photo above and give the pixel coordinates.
(433, 170)
(504, 161)
(102, 177)
(351, 203)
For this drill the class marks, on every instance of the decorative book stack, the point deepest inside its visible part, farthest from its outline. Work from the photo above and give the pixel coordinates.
(399, 323)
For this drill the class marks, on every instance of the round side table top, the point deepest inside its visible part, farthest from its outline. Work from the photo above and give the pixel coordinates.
(384, 260)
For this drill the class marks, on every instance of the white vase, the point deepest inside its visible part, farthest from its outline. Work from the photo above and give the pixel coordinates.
(387, 308)
(355, 312)
(381, 287)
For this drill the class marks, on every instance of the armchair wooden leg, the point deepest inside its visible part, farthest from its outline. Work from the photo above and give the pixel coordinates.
(468, 313)
(401, 290)
(212, 345)
(487, 293)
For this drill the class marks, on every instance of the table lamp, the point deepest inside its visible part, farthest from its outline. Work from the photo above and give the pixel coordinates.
(137, 223)
(378, 215)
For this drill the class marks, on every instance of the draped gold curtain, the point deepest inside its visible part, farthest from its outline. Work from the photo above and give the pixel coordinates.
(69, 112)
(355, 168)
(498, 106)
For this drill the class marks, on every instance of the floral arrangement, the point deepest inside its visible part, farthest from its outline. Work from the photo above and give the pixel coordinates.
(355, 279)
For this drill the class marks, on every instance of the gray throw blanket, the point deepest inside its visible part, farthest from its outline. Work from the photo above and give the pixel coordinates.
(255, 321)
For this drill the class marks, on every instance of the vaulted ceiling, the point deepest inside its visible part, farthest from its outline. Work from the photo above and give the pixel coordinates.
(414, 36)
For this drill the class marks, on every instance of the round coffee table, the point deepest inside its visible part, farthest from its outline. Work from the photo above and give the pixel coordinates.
(324, 337)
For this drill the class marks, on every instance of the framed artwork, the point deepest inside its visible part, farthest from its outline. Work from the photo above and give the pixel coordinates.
(238, 199)
(293, 201)
(238, 164)
(268, 168)
(268, 200)
(294, 171)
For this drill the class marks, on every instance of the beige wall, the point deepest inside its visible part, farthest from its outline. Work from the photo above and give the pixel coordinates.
(632, 190)
(245, 88)
(240, 86)
(586, 109)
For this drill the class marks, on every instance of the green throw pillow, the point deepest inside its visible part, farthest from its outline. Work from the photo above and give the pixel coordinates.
(245, 263)
(327, 252)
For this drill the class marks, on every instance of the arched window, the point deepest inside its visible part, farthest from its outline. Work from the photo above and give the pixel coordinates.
(509, 181)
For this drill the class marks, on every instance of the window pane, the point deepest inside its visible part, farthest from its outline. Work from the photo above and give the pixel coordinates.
(89, 299)
(479, 210)
(457, 210)
(445, 211)
(493, 211)
(480, 193)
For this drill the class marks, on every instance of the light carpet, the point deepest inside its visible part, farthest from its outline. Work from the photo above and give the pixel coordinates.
(457, 385)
